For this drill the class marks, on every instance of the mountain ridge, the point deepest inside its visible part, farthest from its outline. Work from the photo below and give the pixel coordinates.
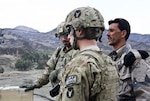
(33, 40)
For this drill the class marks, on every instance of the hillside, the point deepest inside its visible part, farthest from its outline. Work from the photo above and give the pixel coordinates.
(23, 38)
(28, 40)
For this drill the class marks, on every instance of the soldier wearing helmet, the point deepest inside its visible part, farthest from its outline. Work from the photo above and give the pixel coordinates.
(58, 60)
(91, 75)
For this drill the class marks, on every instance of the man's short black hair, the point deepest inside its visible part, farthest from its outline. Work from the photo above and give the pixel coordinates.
(122, 25)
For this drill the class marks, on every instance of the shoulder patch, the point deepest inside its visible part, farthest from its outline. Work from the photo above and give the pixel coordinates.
(72, 79)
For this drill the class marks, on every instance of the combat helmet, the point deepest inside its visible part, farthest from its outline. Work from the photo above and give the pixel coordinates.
(61, 30)
(86, 17)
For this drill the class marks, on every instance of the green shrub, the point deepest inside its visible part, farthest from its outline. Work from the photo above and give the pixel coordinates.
(22, 65)
(31, 60)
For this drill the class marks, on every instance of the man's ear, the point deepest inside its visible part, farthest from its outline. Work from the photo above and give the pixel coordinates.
(124, 33)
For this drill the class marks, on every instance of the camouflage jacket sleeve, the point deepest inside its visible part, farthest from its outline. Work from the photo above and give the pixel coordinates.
(44, 78)
(141, 80)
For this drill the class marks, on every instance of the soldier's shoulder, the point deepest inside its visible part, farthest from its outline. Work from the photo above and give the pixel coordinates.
(59, 48)
(74, 52)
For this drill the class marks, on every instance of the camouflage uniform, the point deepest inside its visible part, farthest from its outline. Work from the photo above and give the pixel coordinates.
(141, 79)
(57, 61)
(90, 76)
(130, 88)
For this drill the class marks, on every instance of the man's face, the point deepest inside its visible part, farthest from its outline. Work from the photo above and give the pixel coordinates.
(114, 34)
(65, 40)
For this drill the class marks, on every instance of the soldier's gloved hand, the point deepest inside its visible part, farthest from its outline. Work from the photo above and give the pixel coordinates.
(55, 91)
(143, 54)
(29, 87)
(53, 75)
(130, 58)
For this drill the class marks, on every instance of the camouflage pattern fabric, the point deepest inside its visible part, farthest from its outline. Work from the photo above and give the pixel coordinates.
(61, 30)
(90, 76)
(141, 80)
(134, 81)
(57, 61)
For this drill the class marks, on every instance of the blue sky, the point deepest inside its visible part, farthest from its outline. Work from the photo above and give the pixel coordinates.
(45, 15)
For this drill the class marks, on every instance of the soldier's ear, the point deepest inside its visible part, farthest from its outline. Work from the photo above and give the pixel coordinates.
(81, 32)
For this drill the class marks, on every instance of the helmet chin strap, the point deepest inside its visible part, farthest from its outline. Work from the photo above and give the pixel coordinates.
(75, 40)
(75, 44)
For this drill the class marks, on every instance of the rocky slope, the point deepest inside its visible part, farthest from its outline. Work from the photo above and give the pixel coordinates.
(23, 38)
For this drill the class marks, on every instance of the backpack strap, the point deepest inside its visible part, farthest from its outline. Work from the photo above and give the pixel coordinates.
(57, 55)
